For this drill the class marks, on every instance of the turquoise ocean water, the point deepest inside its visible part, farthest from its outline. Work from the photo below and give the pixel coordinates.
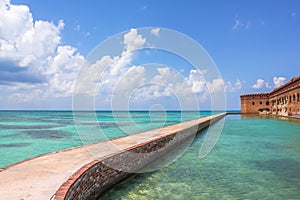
(255, 158)
(26, 134)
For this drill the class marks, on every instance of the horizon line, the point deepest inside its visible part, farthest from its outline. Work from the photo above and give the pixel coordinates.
(67, 110)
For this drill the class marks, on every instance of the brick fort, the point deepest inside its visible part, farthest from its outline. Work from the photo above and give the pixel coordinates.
(282, 101)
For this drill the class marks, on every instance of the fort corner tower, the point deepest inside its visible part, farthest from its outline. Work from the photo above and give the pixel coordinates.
(282, 101)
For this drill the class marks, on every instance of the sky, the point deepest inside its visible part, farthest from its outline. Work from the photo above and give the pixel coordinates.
(44, 45)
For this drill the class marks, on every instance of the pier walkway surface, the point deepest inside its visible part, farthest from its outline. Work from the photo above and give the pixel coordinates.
(41, 177)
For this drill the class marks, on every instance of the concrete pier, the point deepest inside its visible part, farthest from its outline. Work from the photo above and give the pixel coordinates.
(85, 172)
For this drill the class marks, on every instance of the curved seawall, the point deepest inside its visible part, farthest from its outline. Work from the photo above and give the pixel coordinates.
(86, 172)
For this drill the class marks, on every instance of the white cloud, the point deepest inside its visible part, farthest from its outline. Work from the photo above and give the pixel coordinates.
(33, 48)
(27, 97)
(133, 77)
(217, 85)
(65, 60)
(4, 3)
(259, 84)
(133, 40)
(139, 84)
(89, 76)
(229, 87)
(111, 70)
(196, 81)
(155, 31)
(26, 41)
(121, 65)
(122, 82)
(166, 84)
(278, 81)
(172, 80)
(268, 85)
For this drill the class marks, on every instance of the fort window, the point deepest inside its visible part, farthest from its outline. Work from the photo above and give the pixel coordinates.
(298, 97)
(260, 102)
(253, 103)
(294, 98)
(267, 103)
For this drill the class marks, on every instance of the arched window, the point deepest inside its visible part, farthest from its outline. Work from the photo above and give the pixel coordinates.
(267, 103)
(253, 103)
(294, 97)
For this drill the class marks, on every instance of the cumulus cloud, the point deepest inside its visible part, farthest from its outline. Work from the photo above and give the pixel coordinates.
(259, 84)
(217, 85)
(112, 75)
(24, 40)
(196, 81)
(166, 84)
(31, 55)
(133, 40)
(119, 81)
(230, 87)
(155, 31)
(34, 64)
(172, 80)
(88, 78)
(278, 81)
(108, 72)
(135, 83)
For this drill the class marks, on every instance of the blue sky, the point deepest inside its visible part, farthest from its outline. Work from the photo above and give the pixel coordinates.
(255, 45)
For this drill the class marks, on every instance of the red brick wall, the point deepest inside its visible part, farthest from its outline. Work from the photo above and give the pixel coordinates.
(289, 97)
(284, 100)
(253, 103)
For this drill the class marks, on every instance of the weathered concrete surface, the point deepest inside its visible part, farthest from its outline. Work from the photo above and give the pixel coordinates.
(40, 177)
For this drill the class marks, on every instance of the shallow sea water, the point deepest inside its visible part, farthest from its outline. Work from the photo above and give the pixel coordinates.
(255, 158)
(26, 134)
